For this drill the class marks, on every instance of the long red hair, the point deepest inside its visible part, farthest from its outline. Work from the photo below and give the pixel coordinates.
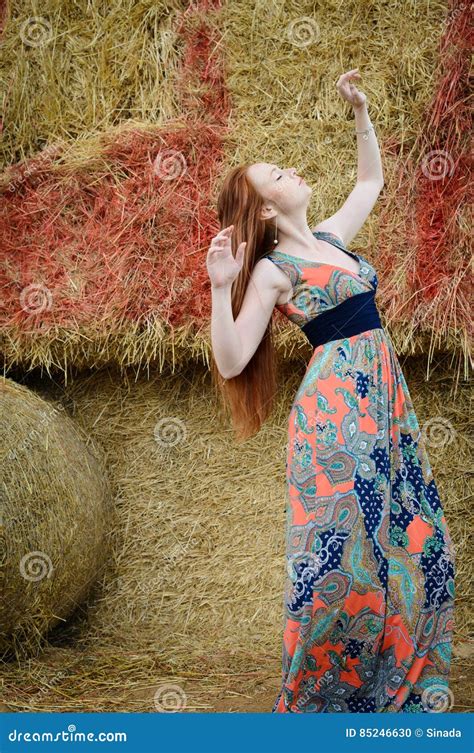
(248, 396)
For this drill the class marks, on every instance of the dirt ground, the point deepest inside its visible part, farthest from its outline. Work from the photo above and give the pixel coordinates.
(66, 678)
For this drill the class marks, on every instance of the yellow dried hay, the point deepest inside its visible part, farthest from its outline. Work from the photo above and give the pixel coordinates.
(72, 69)
(55, 516)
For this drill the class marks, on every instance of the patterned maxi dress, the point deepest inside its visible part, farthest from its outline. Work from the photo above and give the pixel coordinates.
(369, 598)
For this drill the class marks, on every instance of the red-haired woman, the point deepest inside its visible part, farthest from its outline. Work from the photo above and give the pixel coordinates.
(368, 615)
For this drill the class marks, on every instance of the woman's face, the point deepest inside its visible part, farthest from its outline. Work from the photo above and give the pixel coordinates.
(284, 188)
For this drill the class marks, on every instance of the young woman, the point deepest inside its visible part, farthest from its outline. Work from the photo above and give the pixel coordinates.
(369, 595)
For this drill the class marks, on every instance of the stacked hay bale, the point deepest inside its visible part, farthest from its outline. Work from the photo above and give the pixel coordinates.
(134, 202)
(107, 311)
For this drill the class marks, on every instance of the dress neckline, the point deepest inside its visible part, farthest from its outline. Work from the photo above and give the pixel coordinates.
(324, 263)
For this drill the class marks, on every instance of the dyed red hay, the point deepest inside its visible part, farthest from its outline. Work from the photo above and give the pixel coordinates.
(113, 241)
(432, 196)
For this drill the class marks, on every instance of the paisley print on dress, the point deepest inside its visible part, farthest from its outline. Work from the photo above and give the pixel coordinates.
(369, 595)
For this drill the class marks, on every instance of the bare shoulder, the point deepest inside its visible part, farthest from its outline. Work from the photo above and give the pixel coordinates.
(275, 277)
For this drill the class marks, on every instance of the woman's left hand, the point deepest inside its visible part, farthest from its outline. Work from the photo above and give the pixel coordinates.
(348, 90)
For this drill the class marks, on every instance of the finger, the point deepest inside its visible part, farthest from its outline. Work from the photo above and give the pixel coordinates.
(219, 240)
(216, 253)
(219, 245)
(343, 76)
(224, 233)
(349, 74)
(342, 83)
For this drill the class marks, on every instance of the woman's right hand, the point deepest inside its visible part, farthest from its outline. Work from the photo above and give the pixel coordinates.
(222, 267)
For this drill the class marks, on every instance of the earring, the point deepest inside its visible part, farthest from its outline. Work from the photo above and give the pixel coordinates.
(276, 239)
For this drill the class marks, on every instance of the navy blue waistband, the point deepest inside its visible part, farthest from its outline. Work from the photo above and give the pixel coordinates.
(351, 317)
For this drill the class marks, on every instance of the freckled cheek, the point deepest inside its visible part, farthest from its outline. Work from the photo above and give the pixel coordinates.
(283, 188)
(274, 192)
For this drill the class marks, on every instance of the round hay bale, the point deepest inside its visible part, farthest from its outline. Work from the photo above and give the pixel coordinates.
(55, 513)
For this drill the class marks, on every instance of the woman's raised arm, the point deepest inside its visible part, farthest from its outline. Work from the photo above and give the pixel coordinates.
(235, 342)
(350, 217)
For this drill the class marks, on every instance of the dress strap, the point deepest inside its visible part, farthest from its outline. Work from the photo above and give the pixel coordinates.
(275, 261)
(325, 235)
(335, 241)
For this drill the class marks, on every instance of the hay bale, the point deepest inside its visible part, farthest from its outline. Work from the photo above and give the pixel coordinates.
(133, 198)
(55, 515)
(126, 75)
